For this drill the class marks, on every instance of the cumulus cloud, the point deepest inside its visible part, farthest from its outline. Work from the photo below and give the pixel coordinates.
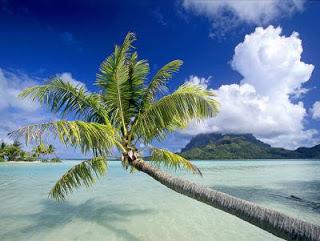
(315, 110)
(16, 112)
(11, 84)
(227, 14)
(262, 103)
(271, 62)
(67, 77)
(199, 81)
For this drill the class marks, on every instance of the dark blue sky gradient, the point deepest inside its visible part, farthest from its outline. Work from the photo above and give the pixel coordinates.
(42, 38)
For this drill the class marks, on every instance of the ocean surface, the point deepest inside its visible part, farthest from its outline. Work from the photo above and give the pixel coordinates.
(134, 207)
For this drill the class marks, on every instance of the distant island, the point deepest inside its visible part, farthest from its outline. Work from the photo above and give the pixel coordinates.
(241, 146)
(14, 153)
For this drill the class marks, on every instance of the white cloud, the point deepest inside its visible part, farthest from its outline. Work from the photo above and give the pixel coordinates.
(315, 110)
(67, 77)
(293, 140)
(227, 14)
(272, 71)
(10, 86)
(199, 81)
(271, 62)
(16, 112)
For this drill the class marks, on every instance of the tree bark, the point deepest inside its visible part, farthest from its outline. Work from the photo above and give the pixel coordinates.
(269, 220)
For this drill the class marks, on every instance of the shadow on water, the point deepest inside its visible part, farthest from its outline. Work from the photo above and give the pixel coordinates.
(57, 214)
(302, 194)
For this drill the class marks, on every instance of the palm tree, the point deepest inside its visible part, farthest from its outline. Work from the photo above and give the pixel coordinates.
(40, 150)
(13, 152)
(126, 112)
(2, 151)
(51, 150)
(2, 145)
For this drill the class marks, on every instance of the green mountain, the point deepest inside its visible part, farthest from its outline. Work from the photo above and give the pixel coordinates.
(240, 146)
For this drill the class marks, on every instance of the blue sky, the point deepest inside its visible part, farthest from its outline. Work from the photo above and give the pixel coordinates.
(268, 87)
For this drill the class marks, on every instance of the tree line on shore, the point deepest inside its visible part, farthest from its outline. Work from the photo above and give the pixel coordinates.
(15, 152)
(130, 109)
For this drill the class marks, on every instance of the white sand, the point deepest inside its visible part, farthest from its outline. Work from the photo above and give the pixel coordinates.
(22, 162)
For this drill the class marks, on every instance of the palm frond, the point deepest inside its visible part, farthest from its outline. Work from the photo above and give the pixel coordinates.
(172, 160)
(138, 71)
(158, 82)
(188, 102)
(65, 98)
(113, 79)
(89, 136)
(84, 173)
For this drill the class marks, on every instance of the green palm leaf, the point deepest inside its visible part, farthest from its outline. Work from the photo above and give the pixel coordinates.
(172, 160)
(89, 136)
(84, 173)
(138, 71)
(175, 111)
(65, 98)
(122, 114)
(113, 79)
(158, 83)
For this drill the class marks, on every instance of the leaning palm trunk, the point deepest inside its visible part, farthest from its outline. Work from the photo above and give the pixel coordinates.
(269, 220)
(125, 112)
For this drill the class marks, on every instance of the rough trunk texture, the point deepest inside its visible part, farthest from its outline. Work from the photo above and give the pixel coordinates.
(269, 220)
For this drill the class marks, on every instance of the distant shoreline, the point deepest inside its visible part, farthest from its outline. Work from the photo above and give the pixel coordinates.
(212, 160)
(21, 162)
(28, 162)
(238, 159)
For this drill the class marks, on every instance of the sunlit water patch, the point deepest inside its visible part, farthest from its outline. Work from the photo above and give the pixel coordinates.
(134, 207)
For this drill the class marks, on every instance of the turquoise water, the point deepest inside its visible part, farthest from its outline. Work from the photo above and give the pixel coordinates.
(134, 207)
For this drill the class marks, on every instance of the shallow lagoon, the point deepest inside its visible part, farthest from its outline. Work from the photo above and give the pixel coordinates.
(133, 207)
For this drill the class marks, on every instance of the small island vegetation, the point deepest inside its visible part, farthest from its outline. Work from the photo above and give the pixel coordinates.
(129, 110)
(15, 153)
(216, 146)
